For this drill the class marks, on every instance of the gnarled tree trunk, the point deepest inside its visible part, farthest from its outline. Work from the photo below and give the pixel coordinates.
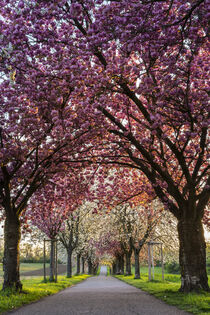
(69, 263)
(11, 264)
(192, 256)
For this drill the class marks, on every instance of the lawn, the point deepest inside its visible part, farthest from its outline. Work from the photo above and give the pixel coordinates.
(167, 291)
(35, 289)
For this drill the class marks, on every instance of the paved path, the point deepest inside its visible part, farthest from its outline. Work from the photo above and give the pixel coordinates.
(100, 296)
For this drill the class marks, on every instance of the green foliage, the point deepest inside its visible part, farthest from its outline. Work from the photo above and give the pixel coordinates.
(36, 260)
(33, 260)
(172, 267)
(168, 292)
(35, 289)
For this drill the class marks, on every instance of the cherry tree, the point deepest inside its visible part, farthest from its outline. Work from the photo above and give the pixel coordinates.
(151, 87)
(38, 130)
(48, 214)
(139, 71)
(108, 247)
(69, 238)
(57, 211)
(32, 148)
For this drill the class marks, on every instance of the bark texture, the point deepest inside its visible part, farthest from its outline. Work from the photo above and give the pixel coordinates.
(83, 265)
(128, 263)
(52, 261)
(90, 267)
(69, 264)
(11, 264)
(120, 265)
(137, 264)
(122, 262)
(192, 256)
(114, 268)
(78, 263)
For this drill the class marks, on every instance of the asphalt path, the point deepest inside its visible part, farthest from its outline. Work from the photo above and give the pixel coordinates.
(100, 295)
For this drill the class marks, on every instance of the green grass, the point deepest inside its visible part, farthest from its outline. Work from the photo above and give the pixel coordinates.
(98, 271)
(108, 271)
(35, 289)
(168, 291)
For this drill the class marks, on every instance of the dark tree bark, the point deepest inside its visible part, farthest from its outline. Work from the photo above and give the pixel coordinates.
(118, 265)
(90, 267)
(192, 256)
(128, 262)
(78, 263)
(83, 265)
(52, 261)
(122, 264)
(69, 240)
(137, 264)
(11, 264)
(95, 268)
(69, 263)
(114, 267)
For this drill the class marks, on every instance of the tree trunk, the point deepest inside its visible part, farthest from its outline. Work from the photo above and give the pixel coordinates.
(114, 268)
(118, 265)
(192, 256)
(83, 265)
(69, 263)
(128, 263)
(90, 267)
(137, 264)
(122, 265)
(11, 264)
(78, 264)
(52, 261)
(95, 268)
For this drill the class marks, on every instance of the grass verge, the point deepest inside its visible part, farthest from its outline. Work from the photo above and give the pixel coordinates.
(108, 271)
(34, 290)
(168, 292)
